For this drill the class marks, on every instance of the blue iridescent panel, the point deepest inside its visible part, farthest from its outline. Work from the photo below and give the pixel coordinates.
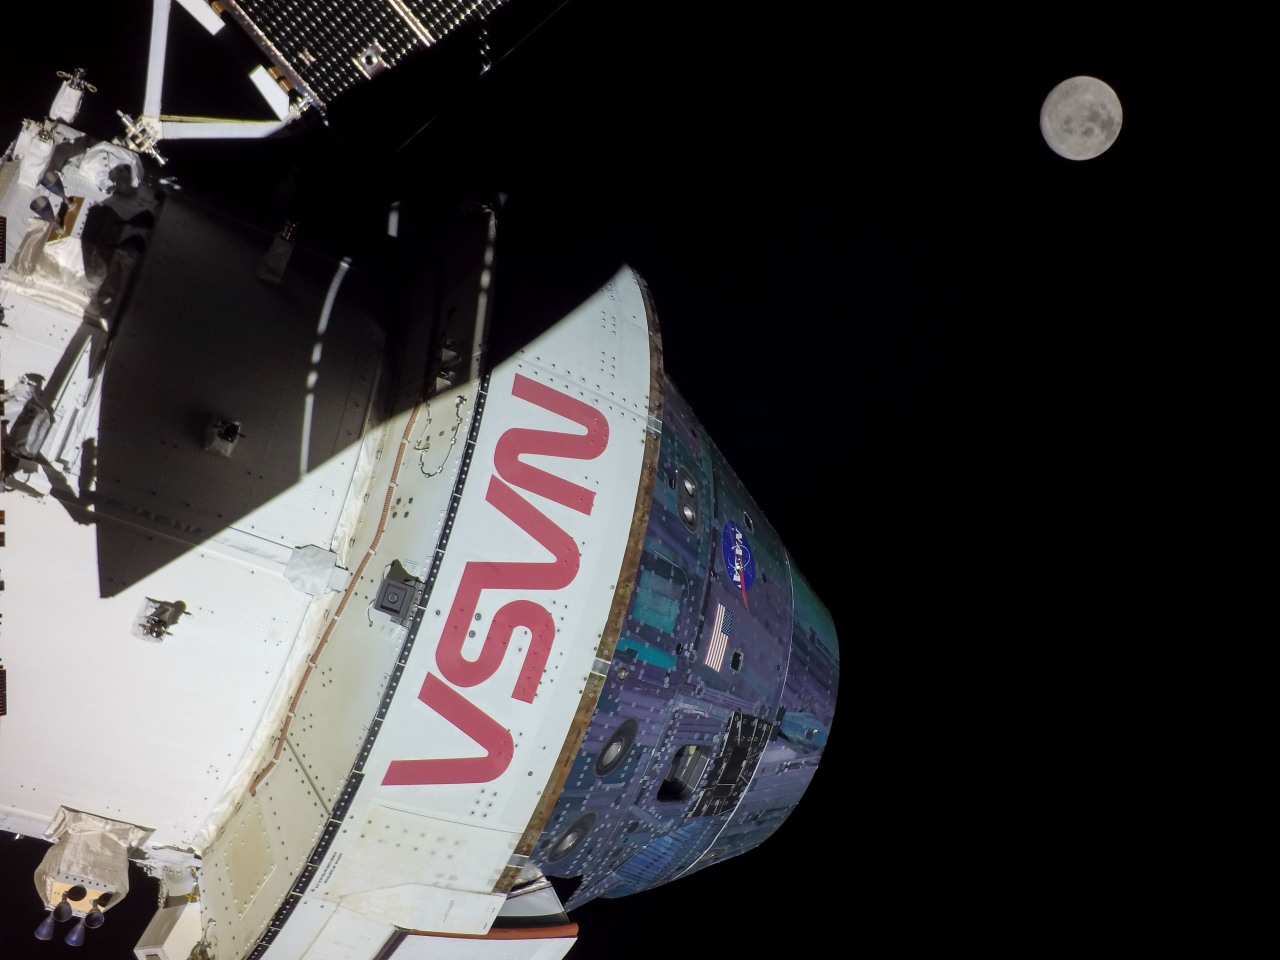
(721, 696)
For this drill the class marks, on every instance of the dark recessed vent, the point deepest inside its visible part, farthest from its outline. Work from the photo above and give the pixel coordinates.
(684, 774)
(570, 839)
(395, 595)
(616, 747)
(4, 701)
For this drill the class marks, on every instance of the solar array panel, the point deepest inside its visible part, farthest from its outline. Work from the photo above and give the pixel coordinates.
(325, 47)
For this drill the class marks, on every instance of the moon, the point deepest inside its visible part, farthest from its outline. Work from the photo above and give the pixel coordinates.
(1080, 118)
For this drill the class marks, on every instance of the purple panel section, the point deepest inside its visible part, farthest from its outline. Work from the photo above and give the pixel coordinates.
(753, 689)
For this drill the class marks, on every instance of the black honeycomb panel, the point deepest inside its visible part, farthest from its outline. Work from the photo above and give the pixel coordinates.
(324, 41)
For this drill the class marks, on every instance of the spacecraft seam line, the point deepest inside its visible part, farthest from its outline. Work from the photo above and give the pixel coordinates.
(333, 620)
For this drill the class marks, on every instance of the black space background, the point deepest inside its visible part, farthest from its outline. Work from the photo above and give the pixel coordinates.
(977, 388)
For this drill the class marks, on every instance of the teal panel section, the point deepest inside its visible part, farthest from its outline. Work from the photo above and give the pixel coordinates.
(659, 658)
(657, 602)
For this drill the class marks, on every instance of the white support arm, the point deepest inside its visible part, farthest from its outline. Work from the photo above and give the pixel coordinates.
(204, 14)
(155, 60)
(219, 129)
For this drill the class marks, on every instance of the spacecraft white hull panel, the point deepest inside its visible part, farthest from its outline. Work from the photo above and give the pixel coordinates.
(444, 948)
(536, 545)
(521, 557)
(338, 704)
(168, 742)
(347, 936)
(303, 930)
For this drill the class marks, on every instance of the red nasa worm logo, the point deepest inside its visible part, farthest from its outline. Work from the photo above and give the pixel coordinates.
(479, 576)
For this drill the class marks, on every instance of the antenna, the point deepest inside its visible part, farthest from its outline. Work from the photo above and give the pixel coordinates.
(76, 81)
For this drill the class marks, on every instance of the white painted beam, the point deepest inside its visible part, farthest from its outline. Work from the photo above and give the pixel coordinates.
(276, 98)
(204, 14)
(155, 59)
(219, 129)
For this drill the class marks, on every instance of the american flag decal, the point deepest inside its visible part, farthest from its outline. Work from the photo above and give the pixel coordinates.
(719, 638)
